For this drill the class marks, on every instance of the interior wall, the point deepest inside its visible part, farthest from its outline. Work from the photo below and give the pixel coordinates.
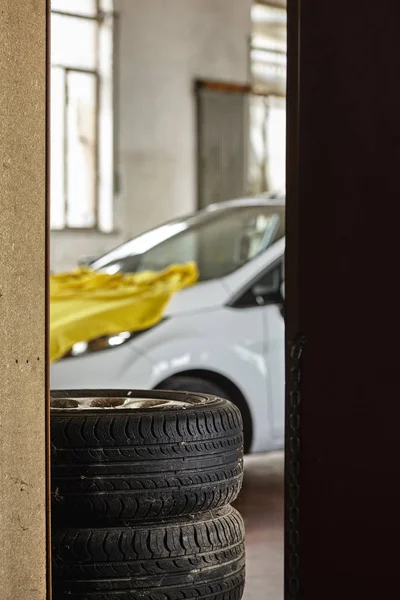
(162, 48)
(22, 300)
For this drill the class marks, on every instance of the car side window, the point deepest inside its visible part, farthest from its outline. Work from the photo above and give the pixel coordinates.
(264, 290)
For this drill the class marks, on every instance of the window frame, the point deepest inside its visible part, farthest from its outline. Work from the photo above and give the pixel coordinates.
(99, 17)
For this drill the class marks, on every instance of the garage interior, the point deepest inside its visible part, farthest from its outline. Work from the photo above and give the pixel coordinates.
(153, 115)
(174, 110)
(160, 94)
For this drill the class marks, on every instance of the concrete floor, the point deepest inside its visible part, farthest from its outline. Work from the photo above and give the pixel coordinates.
(261, 505)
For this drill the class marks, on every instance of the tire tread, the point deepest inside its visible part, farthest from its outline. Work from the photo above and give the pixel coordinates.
(128, 466)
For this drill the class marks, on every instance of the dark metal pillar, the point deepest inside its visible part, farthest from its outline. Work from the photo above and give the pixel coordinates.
(343, 494)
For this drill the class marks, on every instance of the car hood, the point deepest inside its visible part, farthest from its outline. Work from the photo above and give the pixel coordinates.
(205, 295)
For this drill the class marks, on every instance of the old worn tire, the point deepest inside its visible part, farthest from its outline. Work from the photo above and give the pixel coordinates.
(185, 559)
(117, 464)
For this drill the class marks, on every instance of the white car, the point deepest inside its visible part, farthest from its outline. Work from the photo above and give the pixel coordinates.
(223, 336)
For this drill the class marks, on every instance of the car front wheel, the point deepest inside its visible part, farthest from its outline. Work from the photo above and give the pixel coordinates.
(189, 383)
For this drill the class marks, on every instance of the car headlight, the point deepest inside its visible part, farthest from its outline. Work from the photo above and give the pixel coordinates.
(104, 343)
(101, 343)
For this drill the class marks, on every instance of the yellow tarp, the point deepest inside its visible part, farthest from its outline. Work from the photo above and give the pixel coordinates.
(86, 305)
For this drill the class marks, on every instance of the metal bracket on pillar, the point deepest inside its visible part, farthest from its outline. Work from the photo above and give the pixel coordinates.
(292, 490)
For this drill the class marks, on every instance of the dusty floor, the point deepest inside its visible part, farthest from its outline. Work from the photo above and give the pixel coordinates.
(261, 505)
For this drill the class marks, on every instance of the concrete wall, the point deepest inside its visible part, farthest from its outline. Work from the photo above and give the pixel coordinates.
(23, 434)
(163, 47)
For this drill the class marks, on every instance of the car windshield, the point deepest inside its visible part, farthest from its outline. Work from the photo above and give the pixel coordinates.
(219, 241)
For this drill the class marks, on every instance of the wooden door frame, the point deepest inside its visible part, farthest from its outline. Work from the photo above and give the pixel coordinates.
(25, 572)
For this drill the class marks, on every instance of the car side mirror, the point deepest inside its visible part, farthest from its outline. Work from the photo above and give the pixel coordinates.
(264, 294)
(261, 290)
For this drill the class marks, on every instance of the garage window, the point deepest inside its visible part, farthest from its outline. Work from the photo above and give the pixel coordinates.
(267, 152)
(81, 104)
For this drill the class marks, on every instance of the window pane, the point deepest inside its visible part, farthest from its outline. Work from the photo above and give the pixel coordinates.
(269, 71)
(219, 246)
(79, 7)
(277, 143)
(81, 153)
(269, 42)
(263, 15)
(57, 148)
(258, 157)
(73, 42)
(265, 43)
(267, 144)
(106, 5)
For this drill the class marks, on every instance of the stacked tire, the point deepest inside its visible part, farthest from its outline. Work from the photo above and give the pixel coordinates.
(142, 483)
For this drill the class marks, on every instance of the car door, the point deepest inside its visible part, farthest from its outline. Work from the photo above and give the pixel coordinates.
(264, 294)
